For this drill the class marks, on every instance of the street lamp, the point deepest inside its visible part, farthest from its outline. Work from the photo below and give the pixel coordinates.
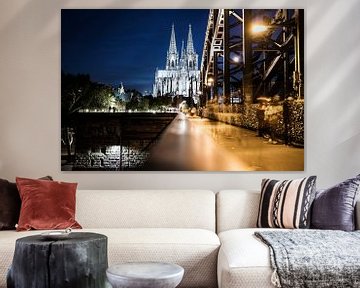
(259, 28)
(210, 82)
(236, 59)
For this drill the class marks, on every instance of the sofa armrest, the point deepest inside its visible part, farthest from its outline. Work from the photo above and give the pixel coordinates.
(357, 215)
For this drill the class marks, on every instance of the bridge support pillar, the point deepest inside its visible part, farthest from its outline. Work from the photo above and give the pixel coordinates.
(248, 69)
(226, 59)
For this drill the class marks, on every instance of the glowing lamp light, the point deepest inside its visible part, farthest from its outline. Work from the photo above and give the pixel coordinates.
(210, 81)
(236, 59)
(258, 28)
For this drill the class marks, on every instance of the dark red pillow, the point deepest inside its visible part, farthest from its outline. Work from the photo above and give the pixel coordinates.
(46, 204)
(10, 204)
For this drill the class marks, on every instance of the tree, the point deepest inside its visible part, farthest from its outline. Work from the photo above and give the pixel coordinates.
(79, 92)
(101, 96)
(75, 94)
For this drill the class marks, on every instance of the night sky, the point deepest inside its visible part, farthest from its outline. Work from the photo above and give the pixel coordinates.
(125, 45)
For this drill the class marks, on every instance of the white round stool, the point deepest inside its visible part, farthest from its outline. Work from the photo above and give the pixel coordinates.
(145, 275)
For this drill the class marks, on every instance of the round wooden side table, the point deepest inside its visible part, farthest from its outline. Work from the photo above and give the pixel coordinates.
(145, 275)
(79, 260)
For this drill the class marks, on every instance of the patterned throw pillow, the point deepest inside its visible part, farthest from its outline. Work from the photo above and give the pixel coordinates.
(286, 204)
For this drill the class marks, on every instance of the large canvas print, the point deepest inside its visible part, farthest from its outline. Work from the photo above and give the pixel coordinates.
(182, 90)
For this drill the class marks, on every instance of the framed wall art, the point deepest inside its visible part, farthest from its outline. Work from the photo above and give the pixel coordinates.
(182, 90)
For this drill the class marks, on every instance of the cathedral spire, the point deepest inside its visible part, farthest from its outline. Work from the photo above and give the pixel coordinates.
(190, 44)
(181, 75)
(183, 56)
(172, 47)
(182, 50)
(172, 59)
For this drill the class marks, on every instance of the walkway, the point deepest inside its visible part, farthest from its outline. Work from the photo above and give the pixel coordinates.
(194, 144)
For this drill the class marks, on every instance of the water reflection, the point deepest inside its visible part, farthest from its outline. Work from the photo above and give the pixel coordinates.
(215, 146)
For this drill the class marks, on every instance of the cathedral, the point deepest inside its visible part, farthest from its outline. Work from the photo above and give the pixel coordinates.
(181, 75)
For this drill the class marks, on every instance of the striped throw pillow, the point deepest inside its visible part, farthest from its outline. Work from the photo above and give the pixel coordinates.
(286, 204)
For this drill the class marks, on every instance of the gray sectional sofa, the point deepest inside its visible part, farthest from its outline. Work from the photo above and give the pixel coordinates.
(209, 234)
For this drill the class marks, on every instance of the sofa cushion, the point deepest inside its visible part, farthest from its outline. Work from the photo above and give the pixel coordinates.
(46, 204)
(196, 250)
(10, 204)
(334, 208)
(286, 204)
(153, 209)
(244, 260)
(236, 209)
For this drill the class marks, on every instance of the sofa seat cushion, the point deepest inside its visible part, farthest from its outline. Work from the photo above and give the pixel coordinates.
(244, 261)
(196, 250)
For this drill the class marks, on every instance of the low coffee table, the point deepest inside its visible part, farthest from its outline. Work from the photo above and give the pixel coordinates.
(79, 260)
(145, 275)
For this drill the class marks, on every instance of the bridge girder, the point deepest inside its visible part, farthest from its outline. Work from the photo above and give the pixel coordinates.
(230, 50)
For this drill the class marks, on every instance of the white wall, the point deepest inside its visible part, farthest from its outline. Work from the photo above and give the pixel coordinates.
(30, 94)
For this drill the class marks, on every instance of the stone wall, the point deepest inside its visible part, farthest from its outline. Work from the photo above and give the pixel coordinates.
(237, 115)
(296, 122)
(111, 158)
(247, 116)
(115, 141)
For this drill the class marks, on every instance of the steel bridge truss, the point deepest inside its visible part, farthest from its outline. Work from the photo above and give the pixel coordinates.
(252, 53)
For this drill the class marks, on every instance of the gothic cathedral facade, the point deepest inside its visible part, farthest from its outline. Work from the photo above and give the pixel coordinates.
(181, 75)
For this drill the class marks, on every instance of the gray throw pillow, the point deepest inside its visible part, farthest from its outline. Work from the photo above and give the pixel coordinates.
(334, 208)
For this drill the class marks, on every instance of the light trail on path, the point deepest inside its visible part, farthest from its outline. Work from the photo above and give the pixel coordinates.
(195, 144)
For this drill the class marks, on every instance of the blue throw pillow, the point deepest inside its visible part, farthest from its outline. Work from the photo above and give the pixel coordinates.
(334, 208)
